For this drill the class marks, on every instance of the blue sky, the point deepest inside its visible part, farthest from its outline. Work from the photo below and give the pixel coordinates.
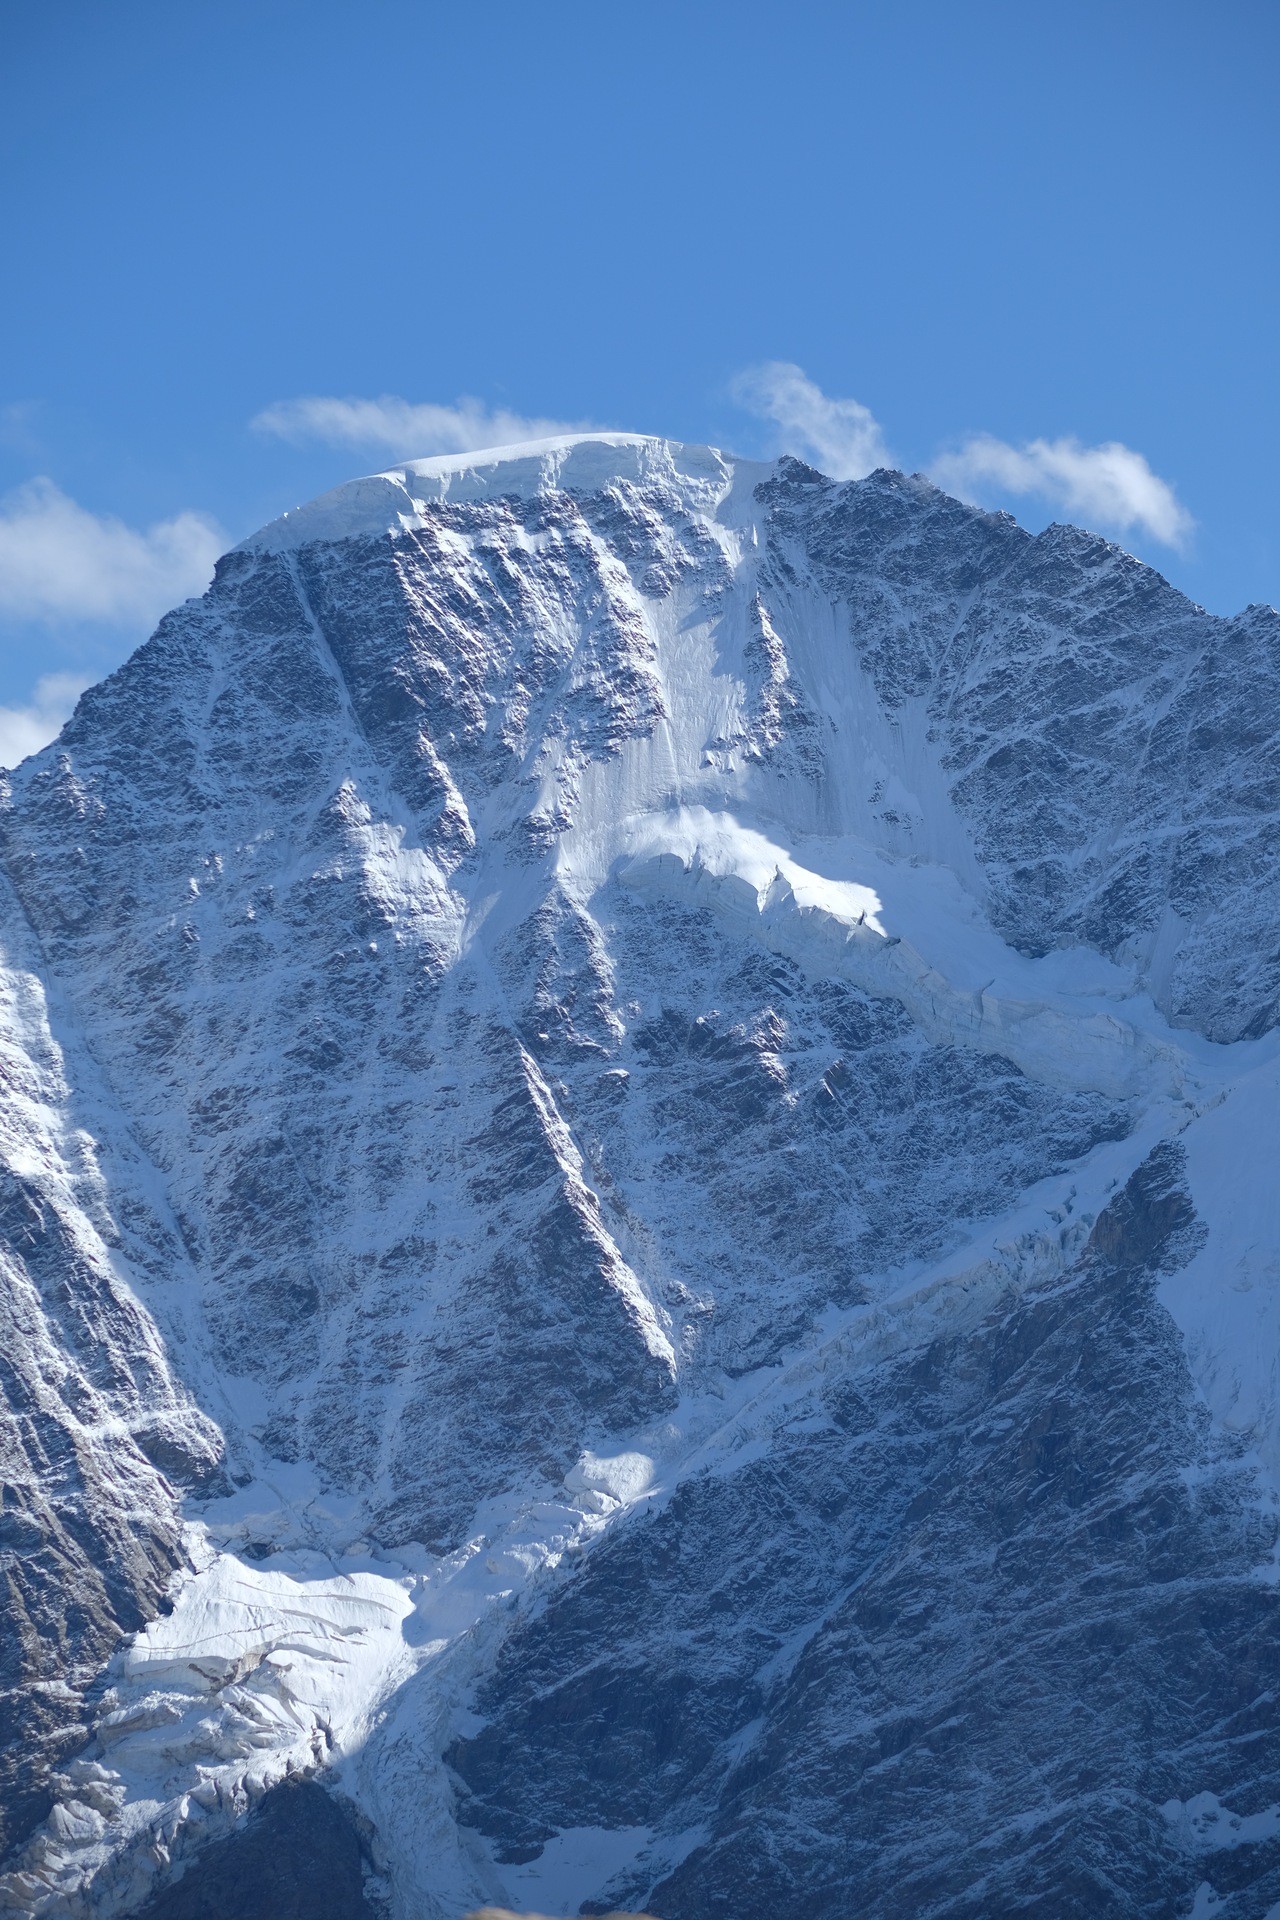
(1029, 248)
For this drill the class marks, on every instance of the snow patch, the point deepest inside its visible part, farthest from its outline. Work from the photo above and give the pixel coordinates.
(259, 1672)
(1226, 1300)
(842, 927)
(576, 1864)
(285, 1666)
(603, 1484)
(1203, 1825)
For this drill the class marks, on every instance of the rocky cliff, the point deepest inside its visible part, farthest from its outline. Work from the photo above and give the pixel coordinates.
(637, 1224)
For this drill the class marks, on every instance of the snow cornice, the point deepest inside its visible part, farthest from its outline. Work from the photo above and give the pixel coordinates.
(394, 502)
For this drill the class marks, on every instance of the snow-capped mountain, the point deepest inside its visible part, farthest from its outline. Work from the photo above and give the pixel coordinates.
(637, 1119)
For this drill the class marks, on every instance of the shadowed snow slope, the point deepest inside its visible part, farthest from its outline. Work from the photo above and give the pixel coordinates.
(637, 1221)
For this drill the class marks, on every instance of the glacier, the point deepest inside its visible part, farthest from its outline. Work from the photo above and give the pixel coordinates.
(640, 1253)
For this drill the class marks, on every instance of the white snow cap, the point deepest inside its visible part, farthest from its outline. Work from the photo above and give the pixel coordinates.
(393, 502)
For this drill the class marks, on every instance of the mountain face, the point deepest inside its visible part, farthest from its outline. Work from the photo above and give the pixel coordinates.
(638, 1223)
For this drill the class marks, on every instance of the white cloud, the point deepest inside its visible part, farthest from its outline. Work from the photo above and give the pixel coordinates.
(840, 436)
(25, 730)
(60, 563)
(1109, 485)
(405, 429)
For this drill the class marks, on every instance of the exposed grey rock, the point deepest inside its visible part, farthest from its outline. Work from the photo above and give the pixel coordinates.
(297, 1857)
(948, 1648)
(1113, 747)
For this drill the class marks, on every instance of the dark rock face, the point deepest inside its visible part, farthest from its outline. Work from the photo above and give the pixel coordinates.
(283, 966)
(801, 1132)
(511, 1074)
(297, 1857)
(1113, 748)
(948, 1649)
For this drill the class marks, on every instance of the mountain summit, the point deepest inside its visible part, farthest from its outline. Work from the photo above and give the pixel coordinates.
(639, 1243)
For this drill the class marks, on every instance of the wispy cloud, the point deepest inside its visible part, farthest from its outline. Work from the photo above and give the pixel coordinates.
(405, 429)
(842, 437)
(25, 730)
(60, 563)
(1109, 485)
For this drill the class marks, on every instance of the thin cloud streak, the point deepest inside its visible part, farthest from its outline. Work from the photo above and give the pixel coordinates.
(60, 563)
(1111, 485)
(405, 429)
(24, 730)
(842, 437)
